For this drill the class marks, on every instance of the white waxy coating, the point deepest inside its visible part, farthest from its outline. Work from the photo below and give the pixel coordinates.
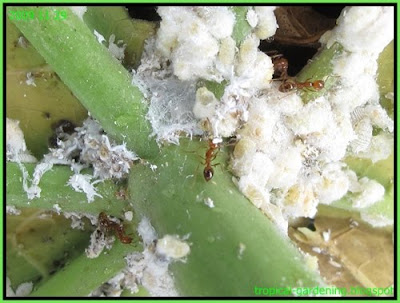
(172, 247)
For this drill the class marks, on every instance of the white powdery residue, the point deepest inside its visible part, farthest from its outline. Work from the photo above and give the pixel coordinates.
(30, 80)
(98, 242)
(219, 19)
(251, 17)
(246, 161)
(109, 160)
(23, 290)
(22, 42)
(76, 219)
(206, 103)
(172, 248)
(11, 210)
(261, 168)
(366, 145)
(363, 29)
(287, 105)
(151, 272)
(351, 66)
(261, 123)
(78, 10)
(326, 235)
(16, 150)
(314, 117)
(267, 24)
(242, 157)
(260, 197)
(380, 148)
(117, 51)
(171, 101)
(146, 231)
(170, 112)
(379, 117)
(99, 36)
(286, 169)
(333, 183)
(247, 54)
(253, 68)
(190, 36)
(226, 57)
(81, 183)
(209, 202)
(57, 208)
(112, 288)
(355, 92)
(149, 269)
(333, 142)
(242, 248)
(230, 112)
(33, 191)
(363, 135)
(114, 161)
(128, 215)
(370, 192)
(299, 201)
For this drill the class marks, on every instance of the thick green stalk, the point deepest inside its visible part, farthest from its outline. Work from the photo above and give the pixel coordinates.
(320, 68)
(108, 20)
(93, 75)
(83, 275)
(234, 247)
(55, 191)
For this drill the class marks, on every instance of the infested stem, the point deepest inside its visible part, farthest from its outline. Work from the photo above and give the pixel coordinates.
(97, 79)
(55, 191)
(84, 275)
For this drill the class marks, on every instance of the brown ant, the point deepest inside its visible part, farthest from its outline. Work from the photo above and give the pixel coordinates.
(107, 225)
(281, 66)
(290, 85)
(280, 63)
(211, 154)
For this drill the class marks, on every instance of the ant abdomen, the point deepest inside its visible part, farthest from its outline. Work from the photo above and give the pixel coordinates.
(208, 173)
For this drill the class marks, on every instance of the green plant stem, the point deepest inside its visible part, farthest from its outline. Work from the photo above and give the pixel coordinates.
(83, 275)
(320, 68)
(97, 79)
(234, 247)
(108, 20)
(55, 191)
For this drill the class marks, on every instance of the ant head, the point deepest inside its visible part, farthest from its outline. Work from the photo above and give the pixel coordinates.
(208, 173)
